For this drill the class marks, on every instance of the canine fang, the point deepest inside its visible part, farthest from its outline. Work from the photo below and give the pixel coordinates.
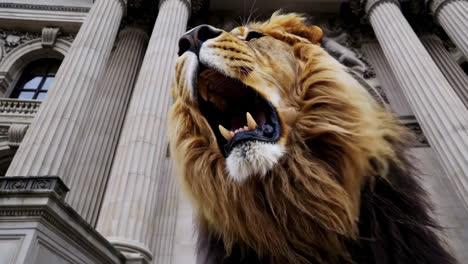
(225, 133)
(251, 122)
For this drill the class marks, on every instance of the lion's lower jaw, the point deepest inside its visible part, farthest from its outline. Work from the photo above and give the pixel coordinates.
(253, 158)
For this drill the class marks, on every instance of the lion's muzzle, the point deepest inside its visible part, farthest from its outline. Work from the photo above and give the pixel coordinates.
(194, 39)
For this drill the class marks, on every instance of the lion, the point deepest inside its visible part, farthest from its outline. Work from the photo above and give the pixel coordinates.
(287, 158)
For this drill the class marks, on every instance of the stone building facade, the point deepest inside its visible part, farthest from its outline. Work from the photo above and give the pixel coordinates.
(84, 87)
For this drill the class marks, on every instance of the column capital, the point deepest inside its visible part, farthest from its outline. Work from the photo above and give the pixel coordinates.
(142, 29)
(123, 4)
(436, 5)
(370, 5)
(187, 3)
(430, 36)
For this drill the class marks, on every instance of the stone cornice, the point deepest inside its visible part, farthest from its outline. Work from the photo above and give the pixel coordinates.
(46, 7)
(436, 5)
(50, 209)
(370, 5)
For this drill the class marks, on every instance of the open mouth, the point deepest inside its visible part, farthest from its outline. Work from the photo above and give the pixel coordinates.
(236, 113)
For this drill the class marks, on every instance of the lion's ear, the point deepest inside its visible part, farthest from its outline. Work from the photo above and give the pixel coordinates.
(312, 33)
(316, 34)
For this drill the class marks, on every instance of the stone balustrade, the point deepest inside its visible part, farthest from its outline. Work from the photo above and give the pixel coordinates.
(9, 106)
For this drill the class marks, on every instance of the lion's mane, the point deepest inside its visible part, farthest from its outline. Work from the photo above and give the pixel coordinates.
(343, 192)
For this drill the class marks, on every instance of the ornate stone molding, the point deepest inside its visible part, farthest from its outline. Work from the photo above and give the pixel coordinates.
(370, 5)
(49, 36)
(436, 5)
(10, 39)
(46, 7)
(22, 184)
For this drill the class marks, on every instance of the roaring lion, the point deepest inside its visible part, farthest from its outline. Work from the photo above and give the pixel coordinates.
(287, 158)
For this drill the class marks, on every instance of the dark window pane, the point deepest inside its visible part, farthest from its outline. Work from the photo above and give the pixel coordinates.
(41, 95)
(33, 83)
(26, 95)
(47, 83)
(53, 69)
(39, 68)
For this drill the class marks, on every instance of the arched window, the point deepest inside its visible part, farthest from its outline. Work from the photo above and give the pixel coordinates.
(36, 79)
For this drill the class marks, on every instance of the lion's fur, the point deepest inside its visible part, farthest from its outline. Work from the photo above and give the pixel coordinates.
(337, 139)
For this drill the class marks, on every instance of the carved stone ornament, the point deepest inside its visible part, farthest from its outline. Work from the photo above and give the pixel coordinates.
(343, 54)
(342, 47)
(10, 39)
(16, 134)
(421, 140)
(49, 36)
(339, 43)
(4, 130)
(33, 184)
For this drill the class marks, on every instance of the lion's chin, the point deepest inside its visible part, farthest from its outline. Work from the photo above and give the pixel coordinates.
(253, 158)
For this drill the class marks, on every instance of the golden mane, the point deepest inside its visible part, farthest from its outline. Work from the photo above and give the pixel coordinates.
(336, 138)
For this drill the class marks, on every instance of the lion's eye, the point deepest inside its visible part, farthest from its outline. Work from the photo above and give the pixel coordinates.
(253, 36)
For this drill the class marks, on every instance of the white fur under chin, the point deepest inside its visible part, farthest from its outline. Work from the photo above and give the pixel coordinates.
(251, 158)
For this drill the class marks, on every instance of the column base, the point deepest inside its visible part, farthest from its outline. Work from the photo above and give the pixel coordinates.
(134, 252)
(37, 226)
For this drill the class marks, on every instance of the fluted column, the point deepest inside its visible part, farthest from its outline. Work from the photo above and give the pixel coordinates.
(447, 64)
(54, 135)
(166, 216)
(127, 215)
(452, 15)
(439, 110)
(89, 172)
(398, 102)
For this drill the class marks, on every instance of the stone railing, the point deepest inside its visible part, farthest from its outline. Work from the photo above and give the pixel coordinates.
(10, 106)
(15, 117)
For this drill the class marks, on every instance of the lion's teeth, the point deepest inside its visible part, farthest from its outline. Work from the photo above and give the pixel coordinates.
(226, 134)
(251, 122)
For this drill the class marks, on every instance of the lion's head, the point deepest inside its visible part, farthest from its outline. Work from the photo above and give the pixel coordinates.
(273, 139)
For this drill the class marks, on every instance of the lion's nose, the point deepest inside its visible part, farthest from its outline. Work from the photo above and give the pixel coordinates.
(193, 40)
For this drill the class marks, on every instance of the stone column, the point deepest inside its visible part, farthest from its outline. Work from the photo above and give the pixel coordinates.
(439, 110)
(452, 15)
(447, 64)
(89, 172)
(398, 102)
(127, 217)
(166, 216)
(54, 135)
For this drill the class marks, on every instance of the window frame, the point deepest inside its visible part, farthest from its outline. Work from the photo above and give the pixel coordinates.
(27, 76)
